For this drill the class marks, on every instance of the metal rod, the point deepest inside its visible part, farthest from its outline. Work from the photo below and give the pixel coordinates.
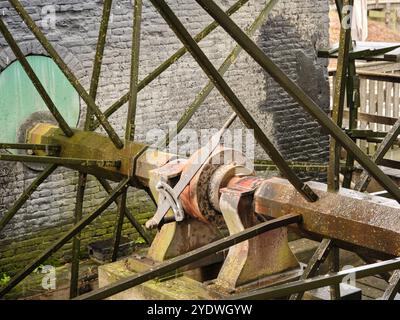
(231, 98)
(284, 290)
(68, 236)
(229, 61)
(313, 265)
(143, 233)
(133, 92)
(25, 196)
(334, 265)
(61, 161)
(303, 166)
(367, 53)
(366, 117)
(33, 147)
(338, 102)
(190, 257)
(35, 80)
(393, 288)
(76, 242)
(380, 153)
(67, 72)
(368, 260)
(118, 227)
(339, 7)
(365, 134)
(98, 60)
(170, 61)
(353, 104)
(299, 95)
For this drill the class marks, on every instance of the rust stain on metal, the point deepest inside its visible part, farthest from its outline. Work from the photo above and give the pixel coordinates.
(195, 198)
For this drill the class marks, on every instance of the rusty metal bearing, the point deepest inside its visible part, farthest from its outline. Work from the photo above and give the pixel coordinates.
(200, 198)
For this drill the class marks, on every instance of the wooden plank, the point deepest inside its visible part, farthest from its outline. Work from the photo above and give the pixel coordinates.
(363, 101)
(388, 102)
(176, 288)
(371, 119)
(379, 76)
(379, 66)
(369, 292)
(372, 109)
(332, 86)
(375, 282)
(396, 100)
(390, 163)
(380, 106)
(363, 108)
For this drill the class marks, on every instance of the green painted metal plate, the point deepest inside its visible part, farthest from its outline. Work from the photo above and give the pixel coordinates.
(19, 98)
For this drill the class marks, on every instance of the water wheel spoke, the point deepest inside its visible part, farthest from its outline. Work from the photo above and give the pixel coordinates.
(25, 196)
(76, 242)
(118, 227)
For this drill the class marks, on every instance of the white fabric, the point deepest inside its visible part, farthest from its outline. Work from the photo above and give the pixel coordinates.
(359, 24)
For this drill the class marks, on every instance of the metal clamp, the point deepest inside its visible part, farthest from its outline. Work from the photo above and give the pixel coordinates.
(169, 195)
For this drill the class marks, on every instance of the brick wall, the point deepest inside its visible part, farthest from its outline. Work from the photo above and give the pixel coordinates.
(293, 32)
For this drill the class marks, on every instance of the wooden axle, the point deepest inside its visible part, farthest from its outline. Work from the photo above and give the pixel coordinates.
(95, 146)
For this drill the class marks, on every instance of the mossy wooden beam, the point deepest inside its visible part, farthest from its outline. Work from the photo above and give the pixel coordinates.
(133, 91)
(98, 60)
(62, 161)
(338, 101)
(88, 145)
(76, 242)
(118, 226)
(28, 146)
